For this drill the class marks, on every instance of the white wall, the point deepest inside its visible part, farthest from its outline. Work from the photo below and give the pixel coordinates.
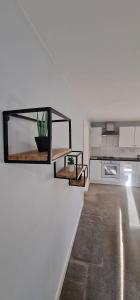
(38, 215)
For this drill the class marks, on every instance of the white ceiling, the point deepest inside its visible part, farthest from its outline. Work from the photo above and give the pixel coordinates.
(96, 46)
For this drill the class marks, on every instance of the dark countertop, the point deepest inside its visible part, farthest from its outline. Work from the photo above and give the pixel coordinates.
(115, 158)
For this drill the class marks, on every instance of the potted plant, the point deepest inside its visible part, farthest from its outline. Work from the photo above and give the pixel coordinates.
(71, 163)
(42, 138)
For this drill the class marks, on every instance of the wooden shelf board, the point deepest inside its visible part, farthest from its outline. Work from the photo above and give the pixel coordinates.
(79, 182)
(58, 152)
(34, 155)
(66, 173)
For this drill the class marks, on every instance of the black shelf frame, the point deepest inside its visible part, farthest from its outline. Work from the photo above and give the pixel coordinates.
(75, 154)
(72, 154)
(17, 114)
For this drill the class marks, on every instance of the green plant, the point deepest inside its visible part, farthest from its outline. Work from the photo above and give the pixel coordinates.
(42, 125)
(70, 160)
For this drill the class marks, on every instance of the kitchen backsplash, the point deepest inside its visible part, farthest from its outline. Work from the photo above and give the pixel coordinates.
(110, 147)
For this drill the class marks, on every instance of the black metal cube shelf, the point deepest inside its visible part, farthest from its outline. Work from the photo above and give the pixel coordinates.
(76, 156)
(81, 181)
(70, 171)
(33, 156)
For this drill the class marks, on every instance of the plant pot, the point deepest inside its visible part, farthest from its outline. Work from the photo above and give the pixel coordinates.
(42, 143)
(71, 168)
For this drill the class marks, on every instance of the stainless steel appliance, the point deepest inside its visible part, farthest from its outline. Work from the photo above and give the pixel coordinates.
(110, 129)
(110, 169)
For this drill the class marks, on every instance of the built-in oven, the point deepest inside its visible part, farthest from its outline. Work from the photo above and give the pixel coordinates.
(110, 169)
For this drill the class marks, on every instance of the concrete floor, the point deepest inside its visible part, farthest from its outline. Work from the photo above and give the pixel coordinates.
(105, 260)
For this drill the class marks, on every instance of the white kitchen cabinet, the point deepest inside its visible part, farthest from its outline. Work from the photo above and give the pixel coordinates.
(137, 136)
(127, 137)
(127, 173)
(95, 136)
(95, 170)
(138, 174)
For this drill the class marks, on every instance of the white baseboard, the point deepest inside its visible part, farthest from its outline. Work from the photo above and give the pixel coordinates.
(111, 183)
(87, 185)
(105, 182)
(58, 293)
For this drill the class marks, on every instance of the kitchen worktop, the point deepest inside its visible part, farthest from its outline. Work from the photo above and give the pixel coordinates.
(135, 159)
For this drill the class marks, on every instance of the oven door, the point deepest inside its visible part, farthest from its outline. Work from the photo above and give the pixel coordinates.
(110, 169)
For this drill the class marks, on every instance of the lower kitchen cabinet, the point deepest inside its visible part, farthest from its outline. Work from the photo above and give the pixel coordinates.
(95, 170)
(128, 173)
(138, 174)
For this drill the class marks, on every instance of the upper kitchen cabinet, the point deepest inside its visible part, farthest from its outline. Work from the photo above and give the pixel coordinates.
(96, 136)
(127, 137)
(137, 136)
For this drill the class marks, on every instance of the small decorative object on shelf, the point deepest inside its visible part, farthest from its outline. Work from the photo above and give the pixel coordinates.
(81, 181)
(71, 164)
(44, 118)
(42, 140)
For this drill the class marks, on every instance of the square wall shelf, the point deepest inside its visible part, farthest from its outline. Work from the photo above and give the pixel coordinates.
(81, 181)
(73, 166)
(33, 156)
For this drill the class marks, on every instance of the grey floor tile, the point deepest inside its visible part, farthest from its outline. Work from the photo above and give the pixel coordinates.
(72, 291)
(94, 268)
(101, 283)
(77, 271)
